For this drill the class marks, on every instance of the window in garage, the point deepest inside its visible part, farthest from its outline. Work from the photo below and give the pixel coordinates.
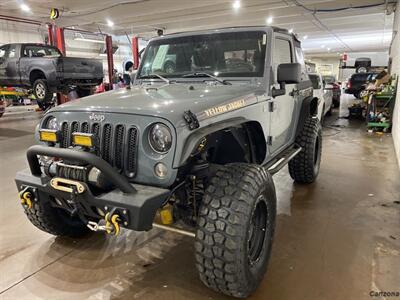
(282, 53)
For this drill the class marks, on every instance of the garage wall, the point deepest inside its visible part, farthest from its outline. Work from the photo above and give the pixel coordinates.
(319, 61)
(12, 32)
(395, 55)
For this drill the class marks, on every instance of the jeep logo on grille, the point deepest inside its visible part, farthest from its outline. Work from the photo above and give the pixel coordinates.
(97, 118)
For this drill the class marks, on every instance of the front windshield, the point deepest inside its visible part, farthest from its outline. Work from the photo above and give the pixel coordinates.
(237, 54)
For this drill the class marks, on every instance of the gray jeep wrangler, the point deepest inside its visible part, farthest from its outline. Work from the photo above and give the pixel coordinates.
(191, 150)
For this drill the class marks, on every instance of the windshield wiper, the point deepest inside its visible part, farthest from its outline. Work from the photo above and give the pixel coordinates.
(156, 75)
(202, 74)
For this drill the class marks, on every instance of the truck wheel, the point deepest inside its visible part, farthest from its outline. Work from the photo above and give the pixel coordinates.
(329, 112)
(304, 167)
(235, 229)
(55, 221)
(44, 105)
(336, 103)
(169, 67)
(41, 91)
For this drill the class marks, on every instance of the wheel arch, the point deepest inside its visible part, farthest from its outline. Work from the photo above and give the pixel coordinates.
(36, 74)
(252, 128)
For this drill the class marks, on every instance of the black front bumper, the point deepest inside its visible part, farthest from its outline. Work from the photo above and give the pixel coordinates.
(138, 203)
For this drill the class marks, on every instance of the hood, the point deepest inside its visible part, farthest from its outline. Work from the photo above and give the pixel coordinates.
(165, 101)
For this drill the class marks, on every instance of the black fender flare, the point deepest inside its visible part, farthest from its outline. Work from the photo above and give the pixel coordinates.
(309, 107)
(193, 139)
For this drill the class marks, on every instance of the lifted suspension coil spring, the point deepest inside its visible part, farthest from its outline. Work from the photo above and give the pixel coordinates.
(196, 193)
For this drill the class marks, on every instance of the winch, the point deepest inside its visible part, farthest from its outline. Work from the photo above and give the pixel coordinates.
(75, 171)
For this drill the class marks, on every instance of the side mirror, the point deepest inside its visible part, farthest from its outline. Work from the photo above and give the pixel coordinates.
(287, 74)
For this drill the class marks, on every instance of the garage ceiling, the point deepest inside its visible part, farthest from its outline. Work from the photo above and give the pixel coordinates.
(355, 29)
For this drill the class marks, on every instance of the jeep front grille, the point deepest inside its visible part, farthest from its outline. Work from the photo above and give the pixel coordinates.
(115, 144)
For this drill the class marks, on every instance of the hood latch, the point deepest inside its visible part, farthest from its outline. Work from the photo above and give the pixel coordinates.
(191, 119)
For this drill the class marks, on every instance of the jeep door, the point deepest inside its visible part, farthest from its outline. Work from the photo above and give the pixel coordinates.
(282, 108)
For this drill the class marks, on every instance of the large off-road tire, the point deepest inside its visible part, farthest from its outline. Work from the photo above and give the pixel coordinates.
(235, 229)
(304, 167)
(55, 221)
(41, 91)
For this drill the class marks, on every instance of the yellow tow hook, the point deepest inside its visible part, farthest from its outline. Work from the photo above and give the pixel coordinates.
(26, 198)
(112, 225)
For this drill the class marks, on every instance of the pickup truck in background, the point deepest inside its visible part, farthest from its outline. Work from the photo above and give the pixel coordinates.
(45, 70)
(336, 89)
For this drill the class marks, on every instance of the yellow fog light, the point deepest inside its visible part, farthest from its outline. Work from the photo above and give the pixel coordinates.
(82, 139)
(48, 135)
(161, 170)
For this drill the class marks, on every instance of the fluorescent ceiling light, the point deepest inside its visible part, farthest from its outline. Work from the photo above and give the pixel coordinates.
(236, 4)
(25, 7)
(290, 30)
(323, 46)
(269, 20)
(88, 40)
(305, 37)
(110, 23)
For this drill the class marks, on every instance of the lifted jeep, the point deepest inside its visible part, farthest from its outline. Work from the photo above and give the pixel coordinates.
(189, 148)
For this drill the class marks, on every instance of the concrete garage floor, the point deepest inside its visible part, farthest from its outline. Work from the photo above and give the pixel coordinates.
(338, 238)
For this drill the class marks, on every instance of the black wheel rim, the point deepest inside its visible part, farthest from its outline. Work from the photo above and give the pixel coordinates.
(257, 230)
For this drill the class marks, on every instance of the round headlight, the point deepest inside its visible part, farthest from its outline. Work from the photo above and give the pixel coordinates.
(52, 123)
(160, 138)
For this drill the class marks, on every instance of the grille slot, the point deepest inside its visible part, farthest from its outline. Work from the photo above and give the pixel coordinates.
(106, 143)
(64, 135)
(74, 128)
(131, 151)
(85, 127)
(96, 134)
(116, 145)
(119, 146)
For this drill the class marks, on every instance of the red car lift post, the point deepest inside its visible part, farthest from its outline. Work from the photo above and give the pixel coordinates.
(110, 60)
(56, 38)
(135, 52)
(50, 32)
(60, 39)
